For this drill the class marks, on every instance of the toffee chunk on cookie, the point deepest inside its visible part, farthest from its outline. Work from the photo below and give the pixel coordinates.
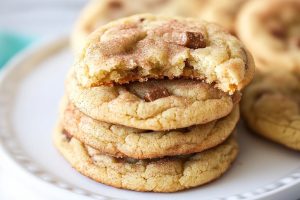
(157, 47)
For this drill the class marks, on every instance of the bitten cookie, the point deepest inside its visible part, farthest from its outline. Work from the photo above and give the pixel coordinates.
(168, 174)
(121, 141)
(99, 12)
(146, 46)
(270, 107)
(154, 104)
(271, 31)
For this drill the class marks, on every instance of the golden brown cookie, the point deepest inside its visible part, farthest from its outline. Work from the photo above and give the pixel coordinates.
(271, 31)
(168, 174)
(270, 106)
(122, 141)
(99, 12)
(222, 12)
(146, 46)
(154, 104)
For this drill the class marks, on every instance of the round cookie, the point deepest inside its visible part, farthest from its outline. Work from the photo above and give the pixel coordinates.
(121, 141)
(270, 106)
(154, 104)
(100, 12)
(168, 174)
(143, 47)
(271, 31)
(222, 12)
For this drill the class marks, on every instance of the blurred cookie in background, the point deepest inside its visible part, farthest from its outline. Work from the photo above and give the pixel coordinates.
(270, 107)
(100, 12)
(222, 12)
(183, 8)
(271, 31)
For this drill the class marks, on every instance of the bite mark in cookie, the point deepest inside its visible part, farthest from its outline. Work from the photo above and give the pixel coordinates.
(160, 47)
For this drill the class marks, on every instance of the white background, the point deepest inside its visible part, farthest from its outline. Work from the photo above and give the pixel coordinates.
(39, 19)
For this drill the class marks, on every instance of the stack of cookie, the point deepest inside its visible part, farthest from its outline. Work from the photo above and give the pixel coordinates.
(152, 102)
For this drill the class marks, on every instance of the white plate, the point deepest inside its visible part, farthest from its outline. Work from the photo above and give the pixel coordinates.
(30, 90)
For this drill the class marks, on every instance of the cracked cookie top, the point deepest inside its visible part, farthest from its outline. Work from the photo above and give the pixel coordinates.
(122, 141)
(154, 104)
(168, 174)
(146, 46)
(271, 31)
(270, 106)
(99, 12)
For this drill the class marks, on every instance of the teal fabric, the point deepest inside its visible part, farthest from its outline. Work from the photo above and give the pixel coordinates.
(10, 44)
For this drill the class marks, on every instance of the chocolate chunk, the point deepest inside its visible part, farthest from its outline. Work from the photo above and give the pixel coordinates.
(193, 40)
(156, 93)
(115, 4)
(277, 30)
(67, 135)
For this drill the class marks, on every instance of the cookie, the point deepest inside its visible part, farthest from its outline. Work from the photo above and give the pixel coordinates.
(154, 104)
(122, 141)
(271, 31)
(270, 106)
(168, 174)
(222, 12)
(182, 8)
(100, 12)
(143, 47)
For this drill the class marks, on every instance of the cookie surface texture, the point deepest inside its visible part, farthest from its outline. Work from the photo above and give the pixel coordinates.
(168, 174)
(121, 141)
(145, 46)
(99, 12)
(270, 106)
(154, 104)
